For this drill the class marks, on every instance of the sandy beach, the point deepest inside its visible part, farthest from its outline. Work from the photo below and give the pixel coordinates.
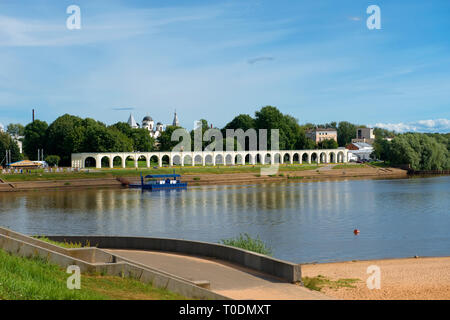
(410, 278)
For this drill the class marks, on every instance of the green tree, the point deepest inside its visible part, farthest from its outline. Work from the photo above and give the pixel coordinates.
(242, 121)
(52, 160)
(34, 138)
(70, 134)
(7, 143)
(270, 117)
(165, 139)
(65, 136)
(141, 139)
(99, 138)
(303, 142)
(346, 131)
(123, 127)
(15, 129)
(419, 151)
(381, 148)
(328, 144)
(383, 133)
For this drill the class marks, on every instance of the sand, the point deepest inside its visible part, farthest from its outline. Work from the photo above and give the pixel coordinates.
(411, 278)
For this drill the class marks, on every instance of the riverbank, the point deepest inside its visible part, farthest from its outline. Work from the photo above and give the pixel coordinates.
(410, 278)
(41, 280)
(198, 176)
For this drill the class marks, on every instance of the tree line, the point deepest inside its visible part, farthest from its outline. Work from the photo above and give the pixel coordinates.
(421, 151)
(71, 134)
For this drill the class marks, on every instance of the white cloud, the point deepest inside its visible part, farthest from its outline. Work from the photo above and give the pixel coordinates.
(26, 32)
(438, 125)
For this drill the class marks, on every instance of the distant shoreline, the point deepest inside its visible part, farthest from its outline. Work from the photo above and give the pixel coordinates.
(199, 179)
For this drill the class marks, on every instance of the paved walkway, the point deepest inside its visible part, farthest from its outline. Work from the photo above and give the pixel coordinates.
(226, 279)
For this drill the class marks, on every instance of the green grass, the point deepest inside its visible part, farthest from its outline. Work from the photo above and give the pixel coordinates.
(64, 244)
(92, 173)
(36, 279)
(245, 241)
(320, 282)
(379, 164)
(349, 166)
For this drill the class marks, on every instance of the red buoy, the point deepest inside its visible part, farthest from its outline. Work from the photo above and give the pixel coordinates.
(356, 232)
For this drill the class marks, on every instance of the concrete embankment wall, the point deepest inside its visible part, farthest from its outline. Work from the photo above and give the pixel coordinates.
(288, 271)
(99, 261)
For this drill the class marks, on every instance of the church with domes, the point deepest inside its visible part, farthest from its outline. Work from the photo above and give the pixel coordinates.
(149, 124)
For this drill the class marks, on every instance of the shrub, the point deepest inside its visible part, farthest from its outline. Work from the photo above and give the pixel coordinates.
(246, 242)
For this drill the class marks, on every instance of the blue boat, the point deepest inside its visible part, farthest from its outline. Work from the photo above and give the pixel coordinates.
(156, 182)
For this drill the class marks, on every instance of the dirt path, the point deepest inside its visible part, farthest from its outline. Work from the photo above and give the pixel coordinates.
(421, 278)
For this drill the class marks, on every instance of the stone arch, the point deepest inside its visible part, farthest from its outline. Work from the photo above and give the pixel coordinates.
(187, 160)
(90, 162)
(165, 159)
(314, 157)
(176, 160)
(323, 157)
(219, 159)
(142, 161)
(267, 158)
(277, 158)
(154, 160)
(229, 160)
(286, 158)
(198, 160)
(239, 159)
(117, 162)
(129, 161)
(332, 157)
(248, 158)
(208, 159)
(305, 157)
(259, 159)
(340, 156)
(105, 162)
(296, 158)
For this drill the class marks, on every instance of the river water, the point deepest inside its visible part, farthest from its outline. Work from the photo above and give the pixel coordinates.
(301, 222)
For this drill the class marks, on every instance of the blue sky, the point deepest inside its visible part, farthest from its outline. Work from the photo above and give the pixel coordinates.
(315, 60)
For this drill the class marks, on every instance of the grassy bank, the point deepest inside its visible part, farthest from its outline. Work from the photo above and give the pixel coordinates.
(36, 279)
(40, 175)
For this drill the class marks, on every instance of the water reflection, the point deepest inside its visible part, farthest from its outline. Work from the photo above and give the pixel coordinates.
(303, 222)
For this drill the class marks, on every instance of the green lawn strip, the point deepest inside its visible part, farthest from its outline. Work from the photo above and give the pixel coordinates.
(380, 164)
(320, 282)
(37, 279)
